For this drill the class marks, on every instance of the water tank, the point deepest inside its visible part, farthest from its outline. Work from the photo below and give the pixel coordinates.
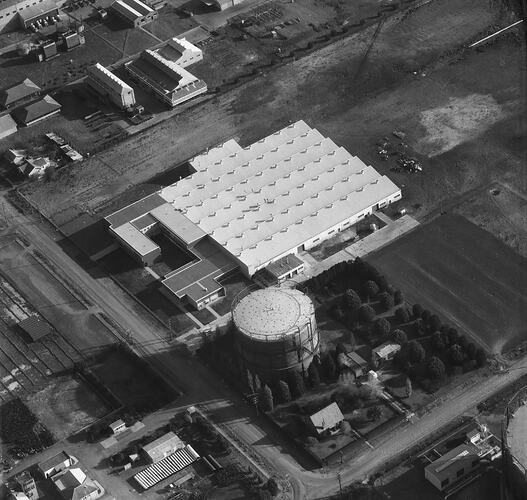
(276, 331)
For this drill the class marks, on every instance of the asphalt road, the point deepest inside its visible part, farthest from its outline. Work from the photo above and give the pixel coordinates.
(202, 386)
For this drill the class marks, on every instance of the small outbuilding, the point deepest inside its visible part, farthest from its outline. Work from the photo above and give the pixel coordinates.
(55, 464)
(353, 362)
(35, 327)
(384, 352)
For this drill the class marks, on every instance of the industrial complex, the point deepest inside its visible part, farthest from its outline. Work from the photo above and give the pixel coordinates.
(250, 207)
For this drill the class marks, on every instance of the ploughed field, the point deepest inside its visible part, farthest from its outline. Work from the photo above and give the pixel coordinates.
(464, 274)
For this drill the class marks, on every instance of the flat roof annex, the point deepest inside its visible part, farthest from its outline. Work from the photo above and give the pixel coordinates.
(135, 210)
(177, 223)
(135, 239)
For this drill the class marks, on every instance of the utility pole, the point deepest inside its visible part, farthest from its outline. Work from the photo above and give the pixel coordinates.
(340, 483)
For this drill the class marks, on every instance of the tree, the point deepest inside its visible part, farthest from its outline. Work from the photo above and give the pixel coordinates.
(480, 357)
(462, 341)
(417, 310)
(419, 327)
(297, 384)
(250, 380)
(351, 301)
(374, 413)
(416, 352)
(272, 486)
(402, 315)
(425, 315)
(453, 336)
(266, 398)
(455, 354)
(434, 322)
(437, 341)
(382, 283)
(436, 368)
(382, 327)
(370, 289)
(257, 384)
(366, 313)
(314, 377)
(345, 427)
(408, 387)
(328, 365)
(399, 336)
(398, 297)
(284, 394)
(471, 350)
(340, 349)
(386, 301)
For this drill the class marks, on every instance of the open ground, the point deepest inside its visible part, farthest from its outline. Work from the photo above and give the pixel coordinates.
(355, 110)
(466, 275)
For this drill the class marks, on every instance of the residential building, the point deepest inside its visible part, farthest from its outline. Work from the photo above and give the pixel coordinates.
(134, 12)
(38, 111)
(117, 426)
(453, 466)
(181, 52)
(55, 464)
(168, 81)
(19, 94)
(74, 484)
(104, 82)
(384, 352)
(35, 168)
(163, 446)
(327, 420)
(7, 126)
(253, 208)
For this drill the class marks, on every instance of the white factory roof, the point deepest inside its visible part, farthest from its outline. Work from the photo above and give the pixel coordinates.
(265, 200)
(99, 72)
(170, 67)
(517, 435)
(270, 312)
(135, 238)
(131, 9)
(178, 49)
(384, 350)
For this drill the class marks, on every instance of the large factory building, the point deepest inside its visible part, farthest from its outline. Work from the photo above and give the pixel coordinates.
(250, 207)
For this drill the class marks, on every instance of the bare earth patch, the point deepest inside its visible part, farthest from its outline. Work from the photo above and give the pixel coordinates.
(459, 120)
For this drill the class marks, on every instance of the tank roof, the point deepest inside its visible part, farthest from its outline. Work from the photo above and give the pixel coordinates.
(517, 435)
(272, 311)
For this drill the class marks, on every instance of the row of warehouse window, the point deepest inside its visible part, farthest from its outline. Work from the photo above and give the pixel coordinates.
(16, 11)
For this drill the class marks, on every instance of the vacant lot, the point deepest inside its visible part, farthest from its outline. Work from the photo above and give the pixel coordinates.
(466, 275)
(47, 295)
(119, 372)
(356, 110)
(502, 210)
(66, 405)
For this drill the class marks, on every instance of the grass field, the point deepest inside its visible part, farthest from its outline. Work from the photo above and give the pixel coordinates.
(466, 275)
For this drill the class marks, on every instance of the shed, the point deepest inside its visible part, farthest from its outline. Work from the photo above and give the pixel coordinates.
(385, 352)
(354, 363)
(117, 426)
(36, 327)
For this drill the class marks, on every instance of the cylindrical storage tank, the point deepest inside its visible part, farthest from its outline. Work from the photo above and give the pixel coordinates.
(276, 331)
(514, 447)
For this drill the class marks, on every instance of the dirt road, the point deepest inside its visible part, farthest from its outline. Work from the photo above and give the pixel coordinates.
(202, 386)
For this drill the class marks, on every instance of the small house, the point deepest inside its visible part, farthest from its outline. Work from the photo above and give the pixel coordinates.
(74, 484)
(37, 111)
(117, 426)
(327, 420)
(55, 464)
(352, 362)
(19, 94)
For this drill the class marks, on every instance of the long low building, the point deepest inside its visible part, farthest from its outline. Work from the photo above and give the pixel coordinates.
(168, 81)
(134, 12)
(104, 82)
(279, 196)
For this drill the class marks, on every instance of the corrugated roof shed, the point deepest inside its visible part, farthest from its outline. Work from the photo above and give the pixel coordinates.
(168, 443)
(464, 453)
(36, 327)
